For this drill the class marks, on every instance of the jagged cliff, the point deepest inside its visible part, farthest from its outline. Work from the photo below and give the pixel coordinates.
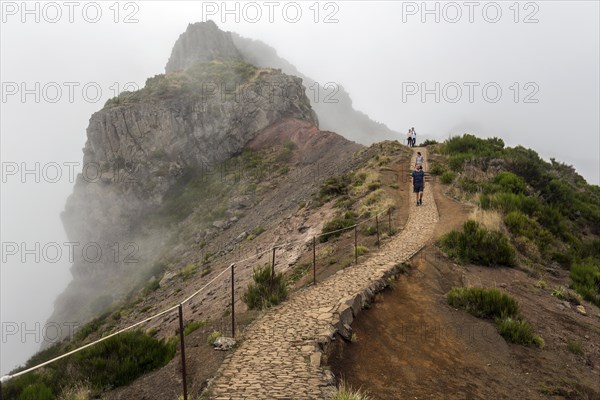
(139, 146)
(330, 100)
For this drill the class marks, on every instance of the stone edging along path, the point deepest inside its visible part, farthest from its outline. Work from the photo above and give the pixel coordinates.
(280, 356)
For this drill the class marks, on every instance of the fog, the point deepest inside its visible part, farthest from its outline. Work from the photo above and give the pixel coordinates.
(538, 63)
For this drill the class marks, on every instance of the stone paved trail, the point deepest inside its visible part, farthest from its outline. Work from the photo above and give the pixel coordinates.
(280, 355)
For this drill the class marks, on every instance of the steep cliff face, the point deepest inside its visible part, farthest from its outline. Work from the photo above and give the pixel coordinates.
(202, 42)
(139, 147)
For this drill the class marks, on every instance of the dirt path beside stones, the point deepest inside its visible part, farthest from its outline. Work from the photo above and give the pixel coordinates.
(280, 356)
(412, 345)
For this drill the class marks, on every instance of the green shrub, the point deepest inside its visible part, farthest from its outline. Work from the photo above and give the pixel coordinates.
(456, 162)
(447, 177)
(484, 303)
(360, 250)
(37, 391)
(436, 168)
(212, 338)
(336, 225)
(119, 360)
(585, 279)
(508, 202)
(429, 142)
(472, 145)
(193, 326)
(345, 392)
(575, 348)
(509, 182)
(333, 187)
(189, 270)
(267, 289)
(368, 230)
(502, 308)
(469, 185)
(517, 331)
(478, 245)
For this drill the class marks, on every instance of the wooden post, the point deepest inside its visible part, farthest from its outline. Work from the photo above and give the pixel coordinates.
(232, 300)
(377, 229)
(314, 260)
(182, 340)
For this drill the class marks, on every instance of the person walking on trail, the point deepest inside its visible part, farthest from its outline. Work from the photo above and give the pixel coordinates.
(418, 177)
(414, 137)
(419, 159)
(409, 138)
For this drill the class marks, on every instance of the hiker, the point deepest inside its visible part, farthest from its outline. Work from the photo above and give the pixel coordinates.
(414, 137)
(418, 177)
(409, 138)
(419, 159)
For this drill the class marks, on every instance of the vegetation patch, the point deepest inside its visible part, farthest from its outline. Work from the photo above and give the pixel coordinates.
(585, 279)
(477, 245)
(575, 348)
(335, 227)
(345, 392)
(267, 289)
(114, 362)
(499, 306)
(193, 326)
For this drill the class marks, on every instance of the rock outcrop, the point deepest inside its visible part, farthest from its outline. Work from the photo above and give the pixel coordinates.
(139, 147)
(330, 100)
(202, 42)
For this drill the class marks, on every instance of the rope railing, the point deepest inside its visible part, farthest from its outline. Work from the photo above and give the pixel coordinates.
(179, 305)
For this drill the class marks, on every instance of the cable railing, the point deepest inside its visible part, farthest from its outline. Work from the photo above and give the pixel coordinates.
(232, 269)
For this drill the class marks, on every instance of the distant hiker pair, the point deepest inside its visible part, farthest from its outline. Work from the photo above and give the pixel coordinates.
(411, 137)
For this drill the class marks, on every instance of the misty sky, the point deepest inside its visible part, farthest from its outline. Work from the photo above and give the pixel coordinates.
(541, 79)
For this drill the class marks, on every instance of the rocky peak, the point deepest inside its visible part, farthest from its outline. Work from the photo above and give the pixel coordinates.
(202, 42)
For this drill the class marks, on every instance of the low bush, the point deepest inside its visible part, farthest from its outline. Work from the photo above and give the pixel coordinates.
(518, 331)
(478, 245)
(212, 338)
(193, 326)
(436, 168)
(361, 250)
(575, 348)
(499, 306)
(585, 279)
(115, 362)
(345, 392)
(334, 227)
(266, 290)
(484, 303)
(447, 177)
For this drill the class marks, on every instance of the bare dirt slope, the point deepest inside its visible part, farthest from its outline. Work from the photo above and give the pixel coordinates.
(413, 345)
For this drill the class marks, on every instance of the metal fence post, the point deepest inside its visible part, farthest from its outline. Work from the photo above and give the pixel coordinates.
(314, 260)
(356, 243)
(377, 229)
(182, 340)
(232, 300)
(273, 267)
